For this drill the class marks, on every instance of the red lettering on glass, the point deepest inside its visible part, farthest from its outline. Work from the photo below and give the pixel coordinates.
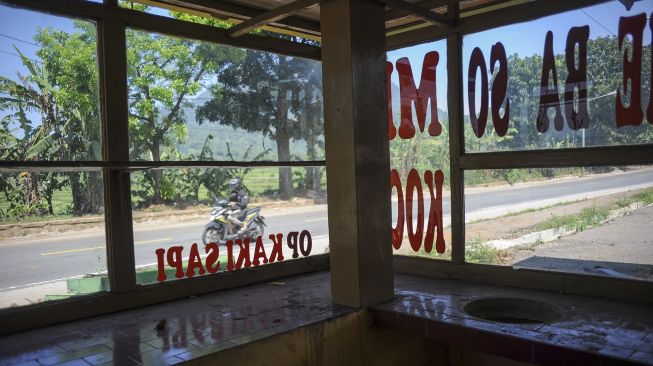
(161, 273)
(305, 243)
(277, 248)
(549, 96)
(392, 131)
(576, 78)
(398, 231)
(194, 261)
(435, 212)
(649, 112)
(477, 61)
(243, 254)
(291, 242)
(174, 260)
(230, 255)
(500, 89)
(632, 71)
(409, 93)
(259, 253)
(414, 236)
(212, 258)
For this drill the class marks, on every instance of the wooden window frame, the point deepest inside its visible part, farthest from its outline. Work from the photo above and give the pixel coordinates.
(112, 22)
(124, 293)
(457, 268)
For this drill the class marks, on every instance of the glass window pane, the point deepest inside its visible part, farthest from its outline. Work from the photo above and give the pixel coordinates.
(420, 151)
(52, 242)
(190, 201)
(192, 100)
(592, 220)
(49, 104)
(568, 85)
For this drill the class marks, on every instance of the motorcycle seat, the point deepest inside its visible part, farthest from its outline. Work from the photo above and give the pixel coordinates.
(252, 210)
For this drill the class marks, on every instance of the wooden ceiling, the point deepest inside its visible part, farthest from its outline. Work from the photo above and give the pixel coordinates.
(302, 17)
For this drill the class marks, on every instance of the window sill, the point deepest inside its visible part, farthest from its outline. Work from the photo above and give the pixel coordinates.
(194, 327)
(590, 330)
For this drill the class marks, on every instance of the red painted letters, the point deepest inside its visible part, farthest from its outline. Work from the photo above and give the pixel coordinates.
(632, 71)
(576, 78)
(414, 236)
(478, 122)
(398, 231)
(409, 93)
(392, 131)
(500, 89)
(649, 113)
(549, 97)
(301, 242)
(433, 182)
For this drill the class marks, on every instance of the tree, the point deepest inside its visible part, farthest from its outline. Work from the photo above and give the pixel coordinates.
(269, 93)
(163, 72)
(71, 61)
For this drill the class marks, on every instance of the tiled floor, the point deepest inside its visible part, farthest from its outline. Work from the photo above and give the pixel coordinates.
(590, 332)
(193, 327)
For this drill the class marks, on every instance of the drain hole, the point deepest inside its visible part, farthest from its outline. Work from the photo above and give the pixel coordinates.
(513, 310)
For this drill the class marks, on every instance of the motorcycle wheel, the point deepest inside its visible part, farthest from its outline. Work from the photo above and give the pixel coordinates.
(211, 235)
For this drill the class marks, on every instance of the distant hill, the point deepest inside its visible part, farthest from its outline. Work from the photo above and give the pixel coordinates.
(238, 139)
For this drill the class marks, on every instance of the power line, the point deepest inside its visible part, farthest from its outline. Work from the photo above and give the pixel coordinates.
(17, 55)
(597, 22)
(19, 40)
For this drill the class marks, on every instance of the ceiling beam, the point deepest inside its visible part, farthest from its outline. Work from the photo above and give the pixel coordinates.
(281, 12)
(160, 24)
(245, 12)
(424, 13)
(476, 23)
(426, 4)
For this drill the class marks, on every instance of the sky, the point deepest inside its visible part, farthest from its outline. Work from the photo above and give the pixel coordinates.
(17, 28)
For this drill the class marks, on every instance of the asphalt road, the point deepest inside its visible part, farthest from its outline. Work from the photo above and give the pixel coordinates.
(48, 258)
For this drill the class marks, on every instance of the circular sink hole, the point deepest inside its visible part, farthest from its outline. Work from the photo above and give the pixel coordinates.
(513, 310)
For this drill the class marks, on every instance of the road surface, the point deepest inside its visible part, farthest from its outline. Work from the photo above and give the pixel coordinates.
(28, 261)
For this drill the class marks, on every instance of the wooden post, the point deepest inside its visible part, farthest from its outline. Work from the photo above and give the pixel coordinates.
(456, 140)
(357, 151)
(117, 192)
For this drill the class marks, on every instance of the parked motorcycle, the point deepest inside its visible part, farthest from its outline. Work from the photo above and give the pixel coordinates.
(220, 229)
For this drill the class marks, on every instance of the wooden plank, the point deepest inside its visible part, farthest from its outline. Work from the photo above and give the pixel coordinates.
(589, 156)
(477, 23)
(244, 12)
(115, 145)
(424, 13)
(8, 166)
(560, 282)
(272, 27)
(168, 26)
(426, 4)
(456, 141)
(47, 313)
(281, 12)
(358, 167)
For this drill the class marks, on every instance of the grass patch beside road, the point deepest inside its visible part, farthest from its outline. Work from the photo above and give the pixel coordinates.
(645, 196)
(590, 216)
(478, 251)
